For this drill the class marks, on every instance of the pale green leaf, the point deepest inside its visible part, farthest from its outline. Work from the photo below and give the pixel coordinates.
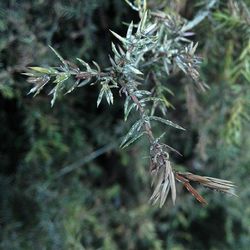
(84, 64)
(133, 140)
(123, 40)
(58, 55)
(134, 129)
(167, 122)
(130, 30)
(135, 70)
(133, 105)
(43, 70)
(99, 99)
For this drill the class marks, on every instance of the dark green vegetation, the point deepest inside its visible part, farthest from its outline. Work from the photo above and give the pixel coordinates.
(66, 184)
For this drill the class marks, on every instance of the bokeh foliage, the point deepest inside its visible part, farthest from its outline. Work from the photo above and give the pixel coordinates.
(64, 182)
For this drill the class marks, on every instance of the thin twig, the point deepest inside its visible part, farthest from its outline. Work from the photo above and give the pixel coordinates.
(79, 163)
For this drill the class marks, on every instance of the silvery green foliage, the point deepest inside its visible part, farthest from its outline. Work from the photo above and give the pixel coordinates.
(158, 44)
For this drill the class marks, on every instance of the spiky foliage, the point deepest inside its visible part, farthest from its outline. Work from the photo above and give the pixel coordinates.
(158, 44)
(65, 184)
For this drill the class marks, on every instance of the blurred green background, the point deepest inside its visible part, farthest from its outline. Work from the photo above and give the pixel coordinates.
(64, 182)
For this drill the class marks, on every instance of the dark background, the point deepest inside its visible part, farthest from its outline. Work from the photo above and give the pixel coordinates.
(64, 182)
